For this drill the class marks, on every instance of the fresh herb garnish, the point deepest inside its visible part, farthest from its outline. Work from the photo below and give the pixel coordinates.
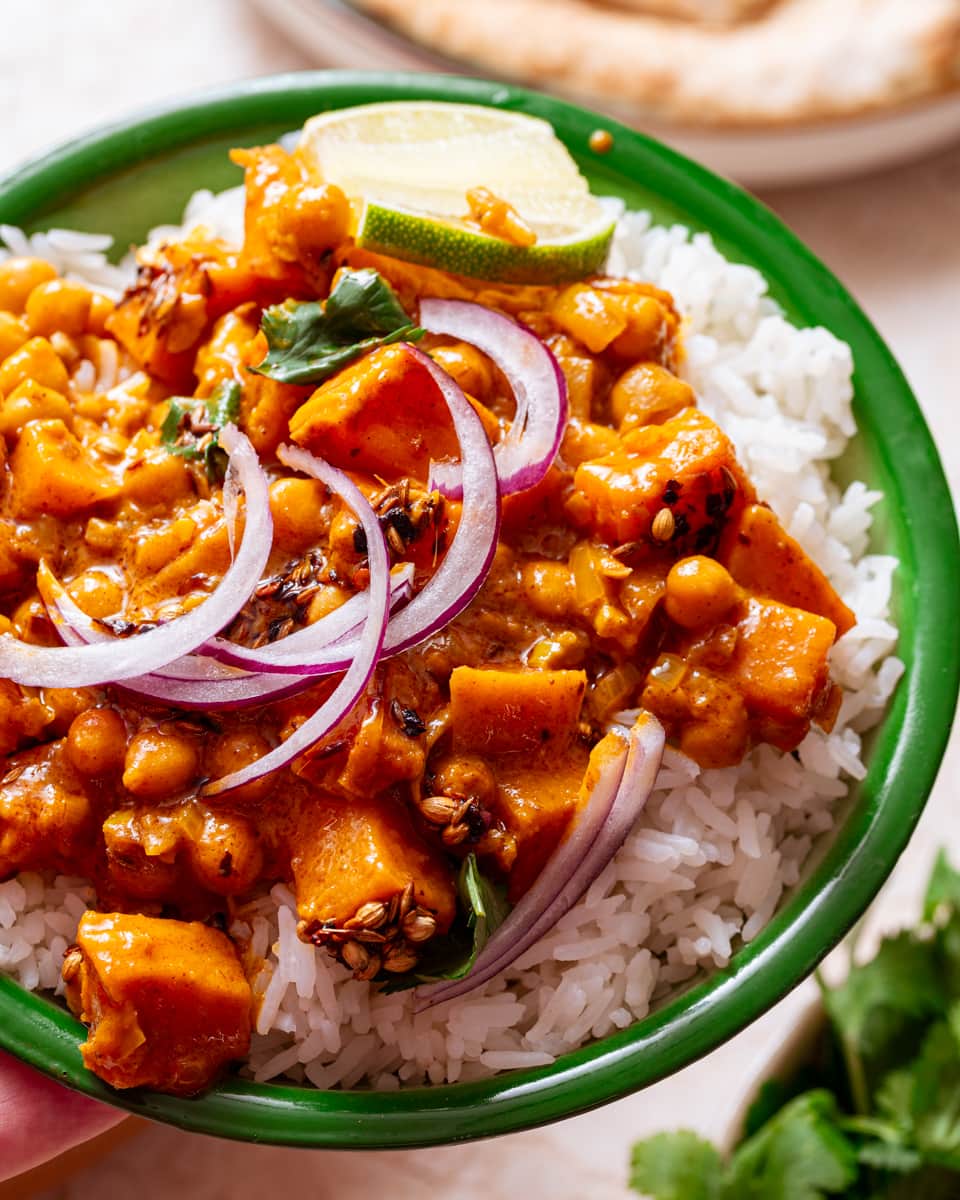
(310, 341)
(887, 1126)
(485, 907)
(191, 426)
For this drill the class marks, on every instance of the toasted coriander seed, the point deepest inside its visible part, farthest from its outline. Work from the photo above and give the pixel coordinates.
(418, 926)
(729, 478)
(406, 900)
(453, 835)
(72, 961)
(663, 526)
(355, 956)
(398, 959)
(439, 810)
(371, 915)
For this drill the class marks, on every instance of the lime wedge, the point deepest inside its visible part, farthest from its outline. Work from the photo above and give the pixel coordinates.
(407, 168)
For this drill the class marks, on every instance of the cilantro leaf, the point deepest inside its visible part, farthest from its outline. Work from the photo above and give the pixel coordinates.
(800, 1155)
(877, 1011)
(183, 434)
(943, 887)
(486, 908)
(935, 1098)
(676, 1166)
(310, 341)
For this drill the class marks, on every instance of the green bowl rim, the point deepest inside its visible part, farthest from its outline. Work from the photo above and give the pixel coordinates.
(905, 757)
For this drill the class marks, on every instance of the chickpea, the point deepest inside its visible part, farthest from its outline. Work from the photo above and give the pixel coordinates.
(645, 329)
(469, 367)
(312, 219)
(699, 592)
(548, 588)
(101, 307)
(18, 278)
(465, 775)
(59, 306)
(97, 742)
(583, 440)
(13, 334)
(159, 764)
(226, 858)
(300, 511)
(648, 394)
(68, 703)
(157, 478)
(36, 360)
(97, 593)
(327, 599)
(235, 750)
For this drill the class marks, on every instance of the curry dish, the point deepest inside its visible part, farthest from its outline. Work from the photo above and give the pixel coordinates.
(640, 572)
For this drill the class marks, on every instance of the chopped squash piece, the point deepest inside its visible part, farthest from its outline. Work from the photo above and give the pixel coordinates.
(536, 804)
(686, 466)
(48, 816)
(52, 473)
(30, 401)
(167, 1002)
(348, 853)
(500, 712)
(765, 559)
(383, 414)
(780, 660)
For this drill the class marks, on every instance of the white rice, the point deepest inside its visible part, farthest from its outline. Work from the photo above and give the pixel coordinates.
(708, 862)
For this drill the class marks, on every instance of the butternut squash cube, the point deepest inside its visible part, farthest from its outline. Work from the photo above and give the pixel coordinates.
(383, 414)
(501, 712)
(168, 1004)
(780, 661)
(52, 473)
(352, 852)
(686, 465)
(765, 559)
(31, 401)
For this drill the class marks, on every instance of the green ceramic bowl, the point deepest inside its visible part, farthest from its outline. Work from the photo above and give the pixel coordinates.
(138, 174)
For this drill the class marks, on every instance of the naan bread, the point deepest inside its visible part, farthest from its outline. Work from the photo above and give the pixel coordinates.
(707, 12)
(800, 60)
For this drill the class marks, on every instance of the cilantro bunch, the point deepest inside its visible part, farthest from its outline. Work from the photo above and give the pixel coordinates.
(876, 1115)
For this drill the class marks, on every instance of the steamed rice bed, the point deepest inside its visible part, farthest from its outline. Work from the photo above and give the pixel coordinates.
(707, 863)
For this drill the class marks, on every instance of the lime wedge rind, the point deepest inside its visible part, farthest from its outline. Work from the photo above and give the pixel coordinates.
(431, 243)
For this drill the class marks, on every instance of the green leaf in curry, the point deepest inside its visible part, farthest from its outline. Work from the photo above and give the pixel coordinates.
(191, 426)
(485, 907)
(943, 887)
(310, 341)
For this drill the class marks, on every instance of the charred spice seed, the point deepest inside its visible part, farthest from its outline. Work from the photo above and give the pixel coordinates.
(663, 526)
(408, 719)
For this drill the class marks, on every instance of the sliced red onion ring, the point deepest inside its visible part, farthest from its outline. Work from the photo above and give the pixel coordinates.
(127, 658)
(323, 648)
(351, 687)
(76, 628)
(539, 387)
(188, 682)
(619, 778)
(461, 572)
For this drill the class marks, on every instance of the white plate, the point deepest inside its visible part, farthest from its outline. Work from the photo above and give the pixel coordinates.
(337, 36)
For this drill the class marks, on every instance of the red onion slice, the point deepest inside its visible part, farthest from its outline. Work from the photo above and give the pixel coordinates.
(76, 628)
(323, 648)
(127, 658)
(620, 776)
(464, 565)
(539, 387)
(351, 687)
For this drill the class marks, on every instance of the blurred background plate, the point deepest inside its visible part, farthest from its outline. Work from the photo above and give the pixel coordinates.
(335, 34)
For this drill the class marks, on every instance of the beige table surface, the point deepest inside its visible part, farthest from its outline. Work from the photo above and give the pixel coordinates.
(66, 65)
